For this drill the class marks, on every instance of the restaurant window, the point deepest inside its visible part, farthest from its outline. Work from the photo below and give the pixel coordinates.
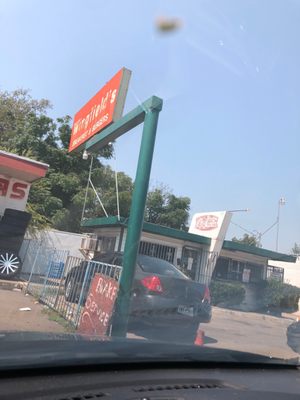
(235, 270)
(157, 250)
(221, 269)
(276, 273)
(106, 243)
(190, 262)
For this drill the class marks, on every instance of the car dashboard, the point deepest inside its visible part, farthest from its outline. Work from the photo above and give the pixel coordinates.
(153, 382)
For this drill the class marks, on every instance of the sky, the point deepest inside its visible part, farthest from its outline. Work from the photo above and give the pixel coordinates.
(229, 133)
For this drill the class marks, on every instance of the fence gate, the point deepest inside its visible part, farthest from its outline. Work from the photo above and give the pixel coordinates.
(40, 263)
(65, 289)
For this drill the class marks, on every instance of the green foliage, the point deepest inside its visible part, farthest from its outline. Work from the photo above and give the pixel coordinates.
(38, 222)
(166, 209)
(249, 240)
(296, 249)
(276, 294)
(227, 293)
(54, 316)
(25, 129)
(58, 199)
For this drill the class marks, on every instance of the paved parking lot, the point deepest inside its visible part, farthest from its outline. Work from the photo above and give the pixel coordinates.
(253, 332)
(257, 333)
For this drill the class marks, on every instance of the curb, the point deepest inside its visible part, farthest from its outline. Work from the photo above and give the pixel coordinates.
(238, 313)
(294, 316)
(11, 285)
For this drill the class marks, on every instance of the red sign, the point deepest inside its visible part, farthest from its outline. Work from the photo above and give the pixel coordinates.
(207, 222)
(13, 193)
(99, 305)
(101, 110)
(17, 190)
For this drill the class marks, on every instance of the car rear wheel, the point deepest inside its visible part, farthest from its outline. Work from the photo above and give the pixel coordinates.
(10, 264)
(70, 290)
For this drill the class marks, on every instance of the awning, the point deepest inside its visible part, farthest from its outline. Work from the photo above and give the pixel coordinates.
(23, 168)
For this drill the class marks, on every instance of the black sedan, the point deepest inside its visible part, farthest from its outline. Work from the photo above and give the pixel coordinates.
(165, 303)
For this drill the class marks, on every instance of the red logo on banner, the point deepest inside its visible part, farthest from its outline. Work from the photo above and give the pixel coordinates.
(206, 222)
(99, 306)
(16, 190)
(101, 110)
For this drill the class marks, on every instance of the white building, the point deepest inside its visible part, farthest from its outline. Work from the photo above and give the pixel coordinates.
(291, 271)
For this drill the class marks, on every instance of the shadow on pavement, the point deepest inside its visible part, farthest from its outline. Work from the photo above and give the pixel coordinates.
(209, 340)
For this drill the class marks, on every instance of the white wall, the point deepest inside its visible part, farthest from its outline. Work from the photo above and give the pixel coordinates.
(62, 241)
(291, 271)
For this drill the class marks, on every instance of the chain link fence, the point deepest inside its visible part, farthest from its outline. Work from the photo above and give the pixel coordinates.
(39, 264)
(61, 281)
(68, 299)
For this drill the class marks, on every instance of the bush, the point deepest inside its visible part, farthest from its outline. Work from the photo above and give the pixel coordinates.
(227, 293)
(280, 295)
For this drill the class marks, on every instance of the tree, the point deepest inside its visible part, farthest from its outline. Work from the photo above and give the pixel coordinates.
(25, 129)
(166, 209)
(249, 240)
(58, 199)
(296, 249)
(104, 181)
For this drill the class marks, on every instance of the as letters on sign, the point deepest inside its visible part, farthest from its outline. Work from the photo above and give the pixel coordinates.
(17, 189)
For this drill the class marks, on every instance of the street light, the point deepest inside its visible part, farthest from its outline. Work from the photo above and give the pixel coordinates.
(242, 210)
(281, 202)
(258, 234)
(85, 155)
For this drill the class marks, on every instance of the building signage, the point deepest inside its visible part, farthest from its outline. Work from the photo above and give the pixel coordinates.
(207, 222)
(99, 305)
(13, 193)
(213, 225)
(101, 110)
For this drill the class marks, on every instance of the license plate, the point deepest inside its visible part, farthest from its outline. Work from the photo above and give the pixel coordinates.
(184, 310)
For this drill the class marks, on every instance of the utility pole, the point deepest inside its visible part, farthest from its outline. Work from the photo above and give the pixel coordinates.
(281, 202)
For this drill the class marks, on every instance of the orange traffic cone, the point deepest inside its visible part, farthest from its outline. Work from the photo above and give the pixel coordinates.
(199, 341)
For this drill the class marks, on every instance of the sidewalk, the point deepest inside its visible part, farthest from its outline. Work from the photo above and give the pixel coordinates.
(12, 319)
(295, 316)
(36, 320)
(10, 284)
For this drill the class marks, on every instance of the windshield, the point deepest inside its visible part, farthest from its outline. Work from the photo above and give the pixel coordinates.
(164, 135)
(158, 266)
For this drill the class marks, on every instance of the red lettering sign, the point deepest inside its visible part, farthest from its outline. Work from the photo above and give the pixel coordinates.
(99, 305)
(101, 110)
(18, 190)
(207, 222)
(4, 183)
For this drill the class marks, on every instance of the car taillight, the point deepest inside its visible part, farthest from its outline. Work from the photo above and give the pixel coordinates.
(206, 294)
(152, 283)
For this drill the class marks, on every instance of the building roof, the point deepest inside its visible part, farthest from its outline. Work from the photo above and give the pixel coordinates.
(147, 227)
(23, 168)
(182, 235)
(258, 251)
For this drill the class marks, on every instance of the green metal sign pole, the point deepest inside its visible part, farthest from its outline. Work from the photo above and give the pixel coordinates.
(148, 113)
(135, 223)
